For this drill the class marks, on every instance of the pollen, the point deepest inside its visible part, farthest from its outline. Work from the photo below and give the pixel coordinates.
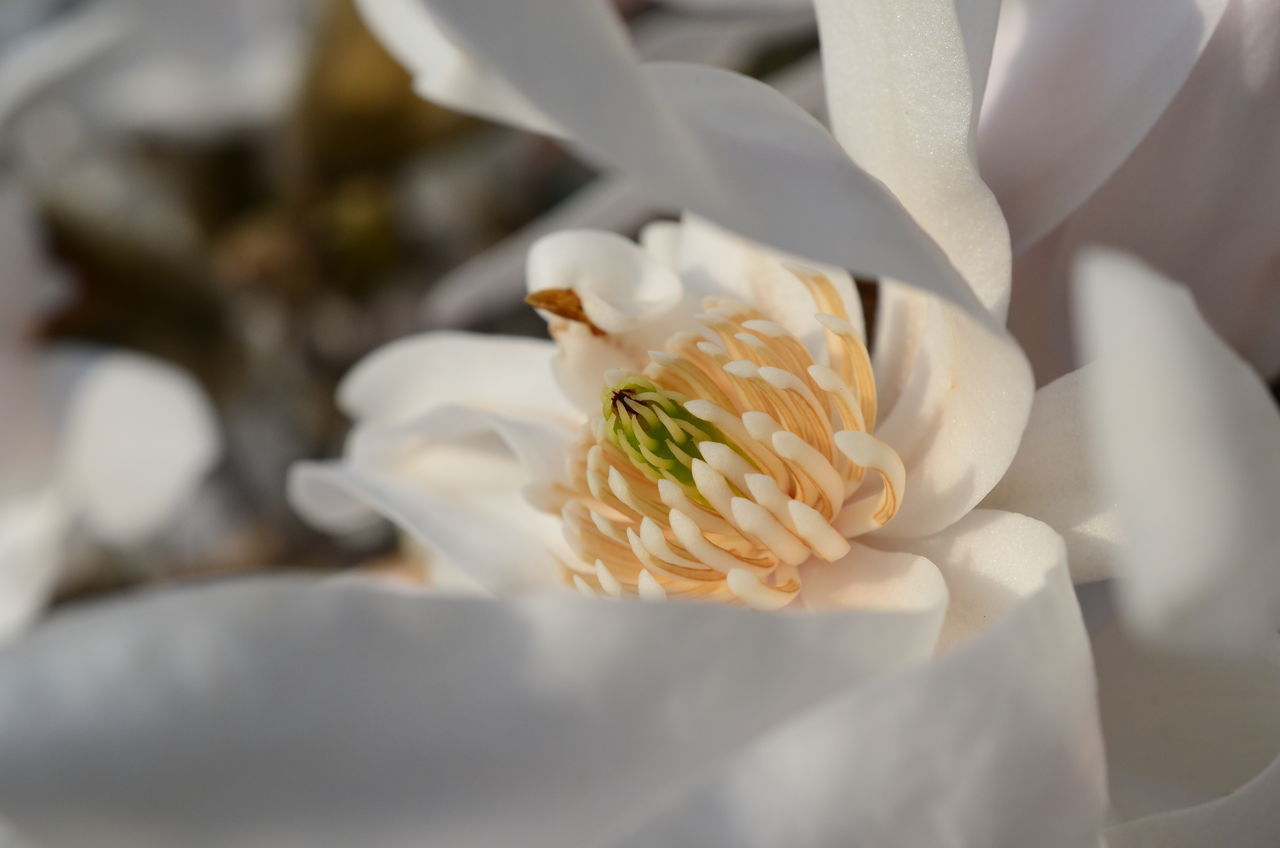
(732, 464)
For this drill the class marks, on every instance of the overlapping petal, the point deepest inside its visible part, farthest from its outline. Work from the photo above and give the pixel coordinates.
(955, 401)
(905, 80)
(1125, 61)
(1189, 445)
(999, 734)
(1052, 478)
(537, 721)
(702, 139)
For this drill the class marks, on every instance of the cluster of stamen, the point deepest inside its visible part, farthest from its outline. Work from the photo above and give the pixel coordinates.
(733, 460)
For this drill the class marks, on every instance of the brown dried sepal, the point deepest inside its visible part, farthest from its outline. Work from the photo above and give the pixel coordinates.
(565, 303)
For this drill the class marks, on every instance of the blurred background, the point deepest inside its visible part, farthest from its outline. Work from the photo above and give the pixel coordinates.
(251, 191)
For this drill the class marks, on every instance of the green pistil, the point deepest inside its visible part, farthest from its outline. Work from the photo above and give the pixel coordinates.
(652, 427)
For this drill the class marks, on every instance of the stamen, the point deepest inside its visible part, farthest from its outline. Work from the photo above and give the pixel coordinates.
(732, 465)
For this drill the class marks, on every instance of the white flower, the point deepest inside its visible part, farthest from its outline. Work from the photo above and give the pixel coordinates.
(107, 442)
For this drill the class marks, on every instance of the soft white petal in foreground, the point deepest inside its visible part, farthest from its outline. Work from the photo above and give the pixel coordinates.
(703, 139)
(1247, 818)
(340, 715)
(1188, 443)
(138, 437)
(1116, 64)
(1197, 199)
(995, 744)
(409, 376)
(904, 84)
(956, 399)
(1183, 731)
(32, 530)
(1052, 479)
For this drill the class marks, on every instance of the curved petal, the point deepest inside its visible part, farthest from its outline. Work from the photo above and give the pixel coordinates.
(866, 578)
(1052, 479)
(409, 376)
(1124, 59)
(455, 479)
(138, 437)
(621, 287)
(1193, 462)
(703, 139)
(904, 84)
(994, 744)
(1247, 818)
(955, 401)
(1182, 731)
(625, 302)
(1196, 200)
(442, 72)
(289, 712)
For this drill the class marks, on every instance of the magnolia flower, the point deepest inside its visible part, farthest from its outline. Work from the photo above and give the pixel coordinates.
(541, 718)
(105, 442)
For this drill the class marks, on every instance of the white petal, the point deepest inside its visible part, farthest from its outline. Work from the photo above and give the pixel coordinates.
(1210, 227)
(137, 439)
(993, 745)
(412, 375)
(1247, 818)
(904, 84)
(1183, 731)
(292, 713)
(1052, 479)
(454, 479)
(32, 530)
(989, 559)
(702, 139)
(621, 286)
(1121, 63)
(866, 578)
(955, 397)
(442, 72)
(1189, 445)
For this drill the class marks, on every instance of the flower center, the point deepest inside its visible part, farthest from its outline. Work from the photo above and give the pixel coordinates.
(731, 462)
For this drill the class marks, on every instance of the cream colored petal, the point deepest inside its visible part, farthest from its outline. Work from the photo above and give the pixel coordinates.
(1188, 444)
(412, 375)
(1052, 479)
(455, 480)
(703, 139)
(994, 744)
(905, 80)
(866, 578)
(622, 288)
(278, 713)
(955, 400)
